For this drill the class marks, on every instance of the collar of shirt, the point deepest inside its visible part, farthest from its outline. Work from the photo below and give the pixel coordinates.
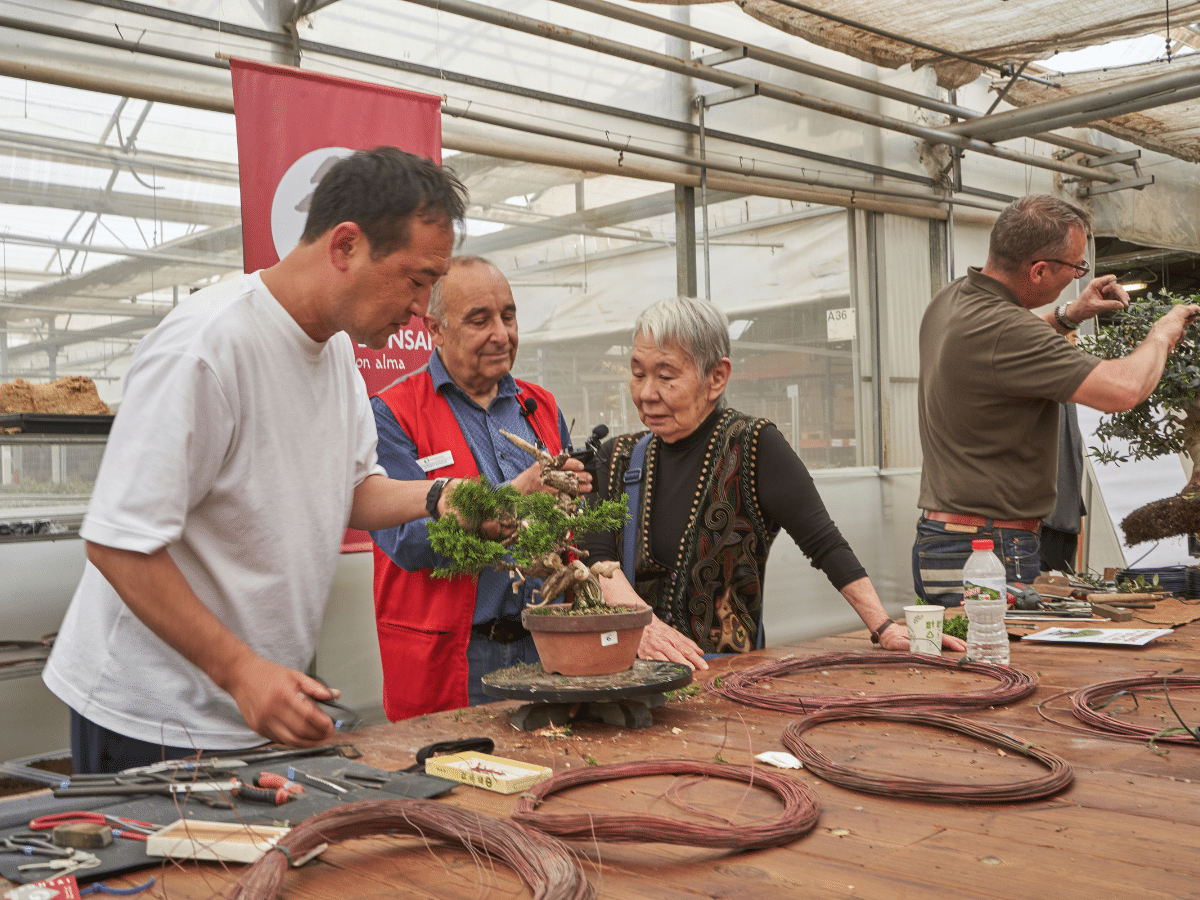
(442, 382)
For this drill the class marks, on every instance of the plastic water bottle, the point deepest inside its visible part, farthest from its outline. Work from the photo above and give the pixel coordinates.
(985, 598)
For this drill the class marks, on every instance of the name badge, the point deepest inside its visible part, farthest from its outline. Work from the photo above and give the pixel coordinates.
(436, 461)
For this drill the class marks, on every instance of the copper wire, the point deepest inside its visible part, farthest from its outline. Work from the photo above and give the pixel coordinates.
(801, 808)
(1059, 776)
(751, 685)
(1087, 702)
(544, 863)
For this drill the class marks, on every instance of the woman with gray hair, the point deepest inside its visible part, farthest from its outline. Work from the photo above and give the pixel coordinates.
(715, 488)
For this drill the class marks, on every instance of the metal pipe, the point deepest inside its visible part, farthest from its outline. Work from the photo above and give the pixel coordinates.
(1096, 102)
(215, 262)
(445, 75)
(114, 43)
(693, 69)
(1180, 95)
(760, 170)
(803, 67)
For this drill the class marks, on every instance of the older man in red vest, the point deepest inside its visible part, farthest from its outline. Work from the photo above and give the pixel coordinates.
(439, 637)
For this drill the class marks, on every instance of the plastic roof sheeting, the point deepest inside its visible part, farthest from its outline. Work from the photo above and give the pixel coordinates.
(992, 31)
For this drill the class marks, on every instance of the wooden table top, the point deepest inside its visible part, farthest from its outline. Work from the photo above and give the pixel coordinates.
(1128, 826)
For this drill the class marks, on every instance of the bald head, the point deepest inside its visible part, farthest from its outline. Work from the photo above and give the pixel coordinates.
(473, 322)
(459, 266)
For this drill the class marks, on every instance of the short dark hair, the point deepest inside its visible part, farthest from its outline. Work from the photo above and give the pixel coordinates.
(1034, 227)
(382, 191)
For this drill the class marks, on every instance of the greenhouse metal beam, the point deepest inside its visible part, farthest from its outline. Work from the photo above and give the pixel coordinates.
(147, 162)
(121, 329)
(1131, 96)
(802, 67)
(118, 203)
(693, 69)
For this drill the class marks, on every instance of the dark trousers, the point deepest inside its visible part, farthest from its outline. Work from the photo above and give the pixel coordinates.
(96, 750)
(485, 656)
(939, 555)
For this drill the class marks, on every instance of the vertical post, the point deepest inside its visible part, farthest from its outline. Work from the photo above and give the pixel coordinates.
(873, 274)
(685, 240)
(52, 352)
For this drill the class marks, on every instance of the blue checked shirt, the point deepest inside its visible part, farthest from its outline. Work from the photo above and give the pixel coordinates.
(408, 545)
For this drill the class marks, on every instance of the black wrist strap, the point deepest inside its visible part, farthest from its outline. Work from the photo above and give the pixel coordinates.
(877, 632)
(434, 495)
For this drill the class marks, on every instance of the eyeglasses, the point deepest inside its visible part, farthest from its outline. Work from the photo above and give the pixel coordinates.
(1080, 270)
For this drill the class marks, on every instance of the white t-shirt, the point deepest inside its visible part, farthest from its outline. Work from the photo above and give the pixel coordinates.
(238, 444)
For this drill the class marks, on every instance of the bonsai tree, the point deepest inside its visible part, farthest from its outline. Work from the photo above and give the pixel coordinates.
(1168, 421)
(530, 535)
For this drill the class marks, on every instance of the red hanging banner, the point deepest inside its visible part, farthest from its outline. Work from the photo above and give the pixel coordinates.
(291, 126)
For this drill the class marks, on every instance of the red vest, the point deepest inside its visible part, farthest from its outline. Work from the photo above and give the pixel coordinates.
(424, 623)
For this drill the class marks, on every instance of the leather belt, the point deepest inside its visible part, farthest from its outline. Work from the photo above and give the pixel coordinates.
(1033, 525)
(502, 631)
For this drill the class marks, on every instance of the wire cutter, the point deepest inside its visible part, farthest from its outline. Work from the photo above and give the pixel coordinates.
(78, 859)
(132, 829)
(33, 845)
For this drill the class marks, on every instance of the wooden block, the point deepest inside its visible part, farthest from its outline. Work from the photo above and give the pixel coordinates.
(223, 841)
(82, 836)
(1111, 612)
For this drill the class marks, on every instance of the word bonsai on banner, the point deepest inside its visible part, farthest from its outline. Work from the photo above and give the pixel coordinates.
(1168, 421)
(532, 535)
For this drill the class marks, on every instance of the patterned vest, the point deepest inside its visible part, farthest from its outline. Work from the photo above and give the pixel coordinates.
(713, 592)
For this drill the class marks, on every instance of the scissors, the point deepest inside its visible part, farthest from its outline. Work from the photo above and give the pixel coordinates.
(131, 829)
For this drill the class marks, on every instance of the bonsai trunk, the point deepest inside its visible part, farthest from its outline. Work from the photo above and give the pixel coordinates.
(1175, 515)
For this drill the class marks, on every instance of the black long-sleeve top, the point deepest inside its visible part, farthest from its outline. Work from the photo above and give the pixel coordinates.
(786, 494)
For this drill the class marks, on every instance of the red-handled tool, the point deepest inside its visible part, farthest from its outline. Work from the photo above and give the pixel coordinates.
(131, 829)
(284, 789)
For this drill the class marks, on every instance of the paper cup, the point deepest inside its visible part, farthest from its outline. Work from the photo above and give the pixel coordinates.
(924, 629)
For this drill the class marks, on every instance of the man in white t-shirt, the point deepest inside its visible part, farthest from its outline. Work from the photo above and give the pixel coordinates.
(243, 447)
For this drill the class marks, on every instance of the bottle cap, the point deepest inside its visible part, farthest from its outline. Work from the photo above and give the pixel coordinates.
(981, 544)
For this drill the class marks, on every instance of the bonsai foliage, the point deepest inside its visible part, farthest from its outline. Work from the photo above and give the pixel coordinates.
(531, 535)
(1168, 421)
(1157, 426)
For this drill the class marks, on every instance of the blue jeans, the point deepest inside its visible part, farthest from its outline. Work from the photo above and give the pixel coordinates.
(96, 750)
(485, 656)
(938, 557)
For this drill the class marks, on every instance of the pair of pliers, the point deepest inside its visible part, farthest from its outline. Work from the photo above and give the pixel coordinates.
(33, 845)
(131, 829)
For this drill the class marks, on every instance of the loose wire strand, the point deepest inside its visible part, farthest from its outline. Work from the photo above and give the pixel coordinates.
(799, 815)
(1087, 702)
(543, 862)
(747, 685)
(1059, 776)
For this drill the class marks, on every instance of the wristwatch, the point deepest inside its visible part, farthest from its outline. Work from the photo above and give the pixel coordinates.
(434, 495)
(1060, 313)
(877, 633)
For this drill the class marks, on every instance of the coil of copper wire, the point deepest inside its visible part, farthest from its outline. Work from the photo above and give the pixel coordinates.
(800, 812)
(1088, 704)
(1059, 776)
(545, 863)
(752, 685)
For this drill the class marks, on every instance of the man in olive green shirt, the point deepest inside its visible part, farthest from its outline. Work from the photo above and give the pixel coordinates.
(992, 377)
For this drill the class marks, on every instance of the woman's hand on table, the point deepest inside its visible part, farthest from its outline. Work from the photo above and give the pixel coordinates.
(950, 642)
(661, 641)
(895, 637)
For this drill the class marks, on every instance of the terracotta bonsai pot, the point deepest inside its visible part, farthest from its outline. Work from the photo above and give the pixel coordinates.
(592, 644)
